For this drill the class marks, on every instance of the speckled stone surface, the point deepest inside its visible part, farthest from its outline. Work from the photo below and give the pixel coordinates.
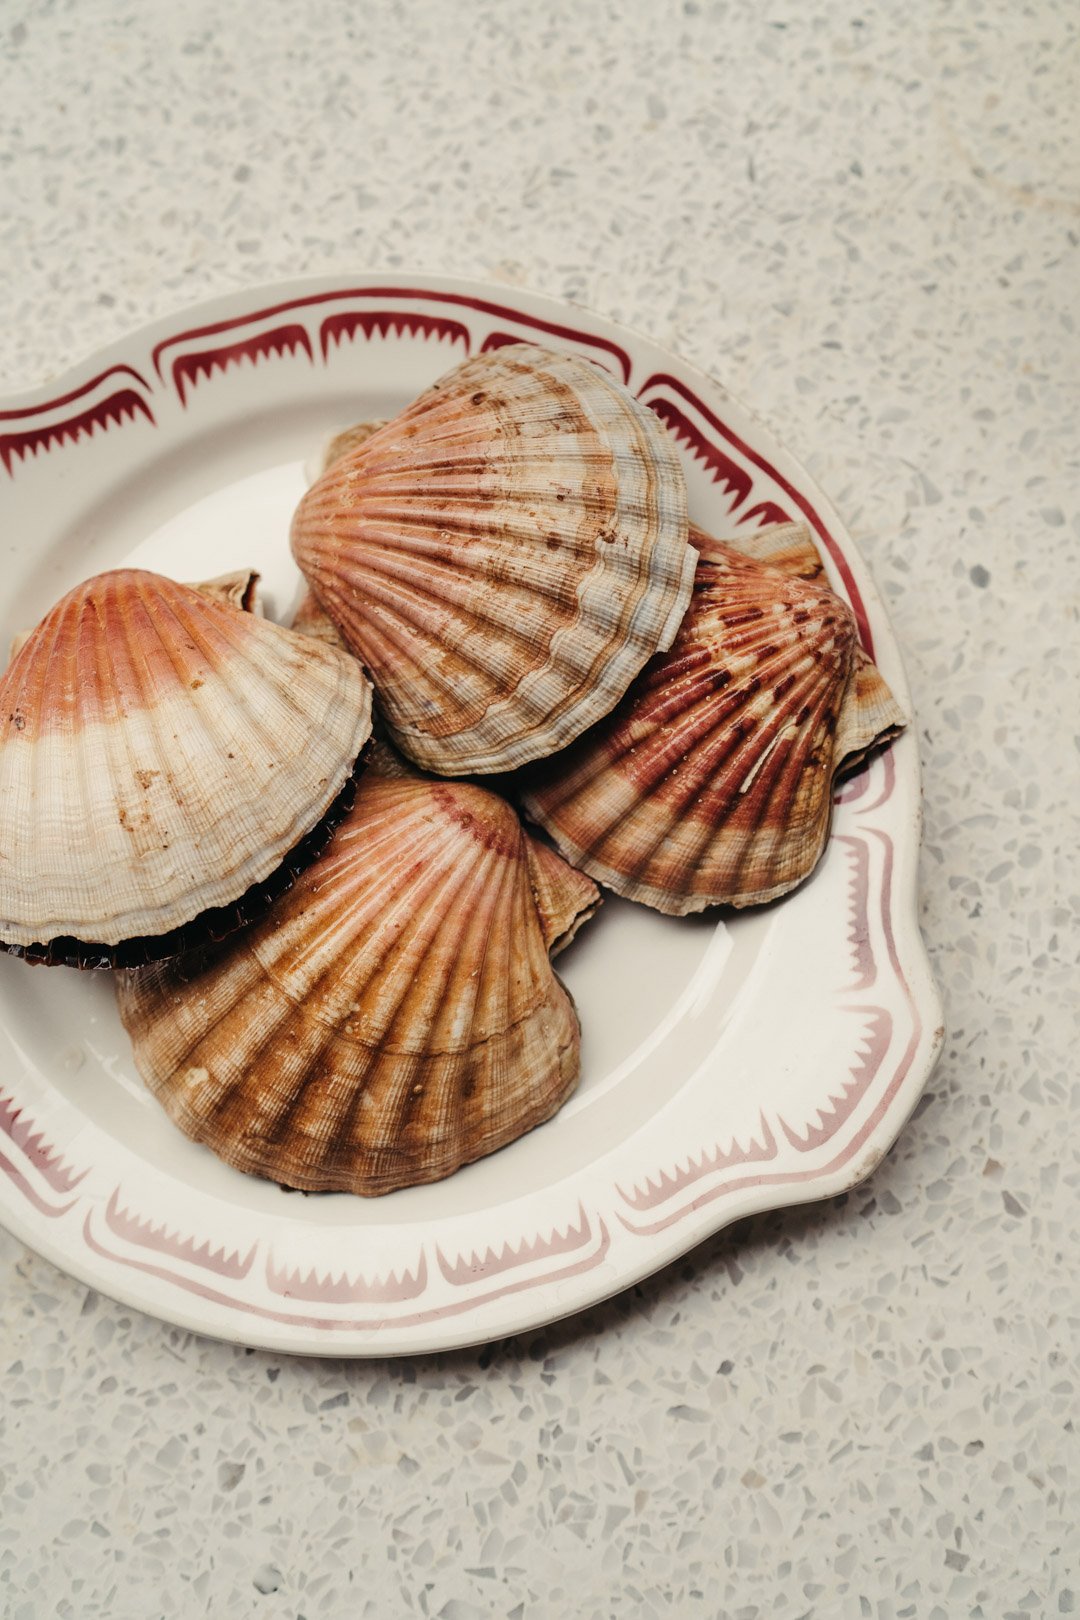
(864, 219)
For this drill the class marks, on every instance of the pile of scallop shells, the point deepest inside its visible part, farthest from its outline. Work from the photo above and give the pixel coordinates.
(332, 954)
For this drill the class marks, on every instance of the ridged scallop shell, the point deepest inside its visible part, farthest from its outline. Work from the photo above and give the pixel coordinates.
(343, 444)
(393, 1017)
(565, 898)
(161, 752)
(237, 589)
(380, 755)
(310, 620)
(503, 557)
(711, 782)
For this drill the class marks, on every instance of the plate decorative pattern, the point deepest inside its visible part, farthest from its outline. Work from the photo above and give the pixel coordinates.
(728, 1111)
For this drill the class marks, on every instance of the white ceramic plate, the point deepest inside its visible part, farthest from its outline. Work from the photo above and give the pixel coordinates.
(729, 1066)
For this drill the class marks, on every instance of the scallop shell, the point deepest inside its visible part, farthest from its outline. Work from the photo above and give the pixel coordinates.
(310, 620)
(565, 898)
(869, 715)
(785, 546)
(343, 444)
(503, 557)
(380, 755)
(711, 782)
(394, 1016)
(238, 589)
(161, 752)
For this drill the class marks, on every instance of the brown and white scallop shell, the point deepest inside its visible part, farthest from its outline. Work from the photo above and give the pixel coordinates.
(711, 782)
(393, 1017)
(161, 752)
(503, 557)
(310, 620)
(237, 589)
(344, 443)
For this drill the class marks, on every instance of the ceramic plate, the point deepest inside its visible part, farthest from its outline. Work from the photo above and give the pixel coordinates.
(730, 1064)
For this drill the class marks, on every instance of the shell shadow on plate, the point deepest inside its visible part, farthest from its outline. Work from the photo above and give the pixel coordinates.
(394, 1016)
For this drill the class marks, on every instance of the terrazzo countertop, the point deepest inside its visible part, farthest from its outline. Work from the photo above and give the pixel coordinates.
(864, 220)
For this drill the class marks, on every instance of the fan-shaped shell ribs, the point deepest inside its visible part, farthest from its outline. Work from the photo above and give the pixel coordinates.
(503, 557)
